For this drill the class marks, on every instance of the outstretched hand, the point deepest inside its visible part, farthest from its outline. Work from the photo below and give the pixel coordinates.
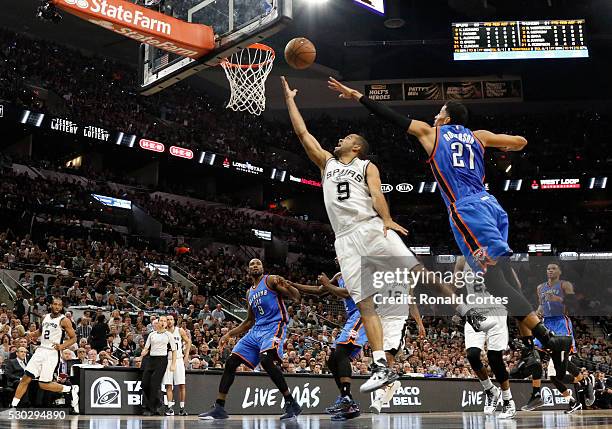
(289, 93)
(395, 227)
(345, 92)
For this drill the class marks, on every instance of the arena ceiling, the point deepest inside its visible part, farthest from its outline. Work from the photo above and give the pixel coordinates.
(424, 40)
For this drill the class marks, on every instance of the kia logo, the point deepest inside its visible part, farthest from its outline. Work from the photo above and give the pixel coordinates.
(152, 145)
(105, 393)
(80, 3)
(404, 187)
(181, 152)
(386, 188)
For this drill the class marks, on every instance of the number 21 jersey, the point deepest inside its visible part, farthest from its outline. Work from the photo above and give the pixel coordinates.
(457, 162)
(346, 194)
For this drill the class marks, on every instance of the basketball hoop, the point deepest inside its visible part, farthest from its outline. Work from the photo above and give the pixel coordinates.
(247, 71)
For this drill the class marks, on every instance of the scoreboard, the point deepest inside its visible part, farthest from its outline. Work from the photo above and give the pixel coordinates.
(503, 40)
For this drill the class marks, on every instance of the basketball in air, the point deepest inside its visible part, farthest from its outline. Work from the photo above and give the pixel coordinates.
(300, 53)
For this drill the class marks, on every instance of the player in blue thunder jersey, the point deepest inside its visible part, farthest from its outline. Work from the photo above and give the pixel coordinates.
(554, 295)
(347, 347)
(479, 223)
(266, 330)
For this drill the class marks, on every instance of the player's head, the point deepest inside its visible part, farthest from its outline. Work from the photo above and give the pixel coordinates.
(452, 113)
(352, 144)
(170, 321)
(255, 267)
(56, 306)
(553, 271)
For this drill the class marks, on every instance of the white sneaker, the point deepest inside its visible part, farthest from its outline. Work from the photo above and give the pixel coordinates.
(389, 392)
(377, 403)
(508, 410)
(492, 399)
(381, 376)
(75, 398)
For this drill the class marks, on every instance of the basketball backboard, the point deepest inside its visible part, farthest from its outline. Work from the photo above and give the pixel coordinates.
(236, 23)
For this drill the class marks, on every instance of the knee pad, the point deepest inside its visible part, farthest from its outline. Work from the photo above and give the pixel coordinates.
(343, 360)
(233, 362)
(473, 357)
(269, 357)
(496, 362)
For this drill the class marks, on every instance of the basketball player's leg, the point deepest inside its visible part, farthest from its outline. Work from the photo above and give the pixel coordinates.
(474, 345)
(481, 231)
(246, 351)
(355, 268)
(497, 342)
(394, 332)
(271, 347)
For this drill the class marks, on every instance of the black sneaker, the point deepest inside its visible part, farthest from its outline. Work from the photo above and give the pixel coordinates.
(573, 406)
(350, 410)
(534, 402)
(530, 360)
(147, 413)
(217, 412)
(335, 407)
(292, 409)
(381, 376)
(559, 347)
(182, 412)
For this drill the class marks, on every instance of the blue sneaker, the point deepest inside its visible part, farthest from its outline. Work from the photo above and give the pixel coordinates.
(291, 410)
(217, 412)
(335, 407)
(349, 410)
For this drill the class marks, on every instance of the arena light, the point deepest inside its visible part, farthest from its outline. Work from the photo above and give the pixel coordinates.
(421, 250)
(539, 248)
(598, 182)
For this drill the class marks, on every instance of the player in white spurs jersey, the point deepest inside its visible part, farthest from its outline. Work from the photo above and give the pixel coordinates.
(365, 232)
(43, 364)
(496, 339)
(177, 377)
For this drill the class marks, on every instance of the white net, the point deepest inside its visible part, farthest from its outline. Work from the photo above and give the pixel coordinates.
(247, 71)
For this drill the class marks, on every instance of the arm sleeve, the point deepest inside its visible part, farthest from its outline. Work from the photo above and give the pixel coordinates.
(148, 343)
(385, 112)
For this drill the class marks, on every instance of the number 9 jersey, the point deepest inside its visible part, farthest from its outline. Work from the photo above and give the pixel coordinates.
(346, 194)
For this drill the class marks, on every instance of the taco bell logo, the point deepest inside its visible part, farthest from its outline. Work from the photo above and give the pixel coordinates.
(105, 393)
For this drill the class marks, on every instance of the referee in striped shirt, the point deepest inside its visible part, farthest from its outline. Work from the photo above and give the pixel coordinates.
(159, 342)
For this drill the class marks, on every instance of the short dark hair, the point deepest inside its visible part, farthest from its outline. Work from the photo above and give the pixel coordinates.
(457, 112)
(365, 146)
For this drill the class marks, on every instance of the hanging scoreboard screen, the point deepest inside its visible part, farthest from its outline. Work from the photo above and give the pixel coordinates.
(515, 40)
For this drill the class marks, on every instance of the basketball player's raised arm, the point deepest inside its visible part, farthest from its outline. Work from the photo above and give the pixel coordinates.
(312, 147)
(72, 337)
(379, 202)
(503, 142)
(425, 133)
(281, 285)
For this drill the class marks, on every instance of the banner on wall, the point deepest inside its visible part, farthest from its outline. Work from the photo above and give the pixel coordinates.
(117, 392)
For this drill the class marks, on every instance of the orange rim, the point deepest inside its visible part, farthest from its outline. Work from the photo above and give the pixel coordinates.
(259, 46)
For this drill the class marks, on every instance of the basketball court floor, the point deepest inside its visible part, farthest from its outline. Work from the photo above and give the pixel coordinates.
(546, 420)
